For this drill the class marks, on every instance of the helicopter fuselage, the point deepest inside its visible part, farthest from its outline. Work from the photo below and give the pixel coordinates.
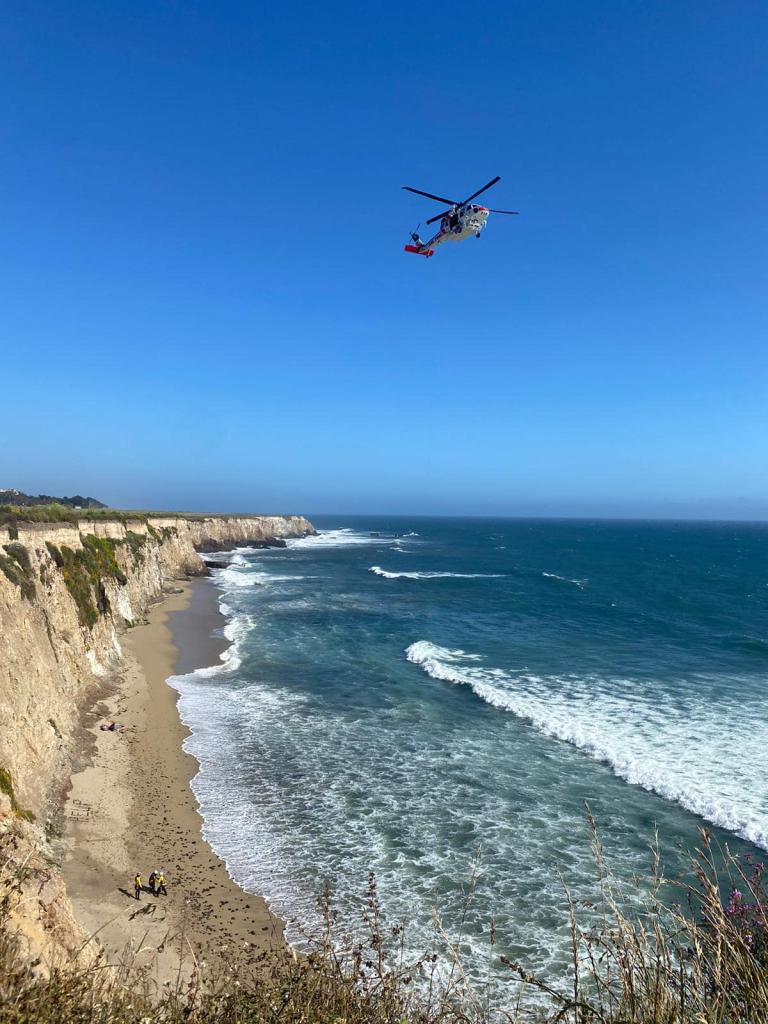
(458, 224)
(463, 222)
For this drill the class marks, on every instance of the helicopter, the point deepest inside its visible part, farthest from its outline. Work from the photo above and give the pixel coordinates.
(459, 222)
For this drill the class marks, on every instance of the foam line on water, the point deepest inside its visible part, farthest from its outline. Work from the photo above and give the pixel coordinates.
(564, 579)
(707, 759)
(378, 571)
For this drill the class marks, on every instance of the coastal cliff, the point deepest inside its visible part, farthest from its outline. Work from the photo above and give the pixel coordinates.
(67, 591)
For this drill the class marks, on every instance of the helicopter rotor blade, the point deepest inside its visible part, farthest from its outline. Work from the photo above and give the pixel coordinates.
(475, 194)
(438, 217)
(439, 199)
(515, 212)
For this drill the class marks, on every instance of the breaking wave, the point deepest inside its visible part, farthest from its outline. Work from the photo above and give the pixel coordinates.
(237, 576)
(704, 757)
(343, 537)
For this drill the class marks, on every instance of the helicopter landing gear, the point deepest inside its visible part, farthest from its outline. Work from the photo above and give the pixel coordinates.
(477, 234)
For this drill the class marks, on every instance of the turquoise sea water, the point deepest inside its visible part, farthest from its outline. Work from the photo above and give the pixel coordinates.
(402, 692)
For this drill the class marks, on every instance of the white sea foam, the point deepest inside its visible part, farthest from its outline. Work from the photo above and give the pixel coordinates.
(246, 575)
(267, 843)
(265, 578)
(564, 579)
(343, 537)
(235, 576)
(378, 571)
(708, 759)
(232, 556)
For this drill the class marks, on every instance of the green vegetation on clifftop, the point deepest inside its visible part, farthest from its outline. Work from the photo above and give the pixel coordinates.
(12, 515)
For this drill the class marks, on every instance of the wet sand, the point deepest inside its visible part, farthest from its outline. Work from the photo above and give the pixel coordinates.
(131, 808)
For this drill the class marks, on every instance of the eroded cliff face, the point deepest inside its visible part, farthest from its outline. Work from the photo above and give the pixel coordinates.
(66, 593)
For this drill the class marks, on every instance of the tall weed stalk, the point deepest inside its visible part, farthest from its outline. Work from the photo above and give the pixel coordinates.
(693, 952)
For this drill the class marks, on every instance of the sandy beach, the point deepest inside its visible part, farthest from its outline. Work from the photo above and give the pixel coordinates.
(131, 808)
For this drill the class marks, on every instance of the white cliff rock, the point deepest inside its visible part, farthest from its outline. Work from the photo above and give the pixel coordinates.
(63, 601)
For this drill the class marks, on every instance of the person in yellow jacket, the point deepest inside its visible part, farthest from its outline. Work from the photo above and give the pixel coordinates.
(138, 885)
(160, 884)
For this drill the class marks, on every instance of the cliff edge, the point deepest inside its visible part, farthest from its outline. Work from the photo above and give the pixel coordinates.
(67, 591)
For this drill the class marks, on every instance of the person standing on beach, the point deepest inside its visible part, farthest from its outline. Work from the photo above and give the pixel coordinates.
(153, 882)
(160, 884)
(138, 885)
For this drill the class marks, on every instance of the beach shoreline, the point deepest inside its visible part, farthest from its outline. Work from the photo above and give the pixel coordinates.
(131, 807)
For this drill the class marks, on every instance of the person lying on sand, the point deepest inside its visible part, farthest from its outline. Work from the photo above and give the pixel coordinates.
(112, 727)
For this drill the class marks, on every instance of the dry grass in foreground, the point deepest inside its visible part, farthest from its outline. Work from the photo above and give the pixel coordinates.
(705, 962)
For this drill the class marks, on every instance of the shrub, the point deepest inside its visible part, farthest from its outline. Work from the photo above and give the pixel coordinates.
(17, 567)
(6, 786)
(100, 557)
(55, 554)
(20, 554)
(135, 543)
(11, 570)
(78, 580)
(84, 572)
(162, 533)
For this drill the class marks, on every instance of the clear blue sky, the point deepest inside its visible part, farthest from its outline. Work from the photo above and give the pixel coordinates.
(204, 302)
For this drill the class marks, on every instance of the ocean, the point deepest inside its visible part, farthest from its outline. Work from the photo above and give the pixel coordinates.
(401, 693)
